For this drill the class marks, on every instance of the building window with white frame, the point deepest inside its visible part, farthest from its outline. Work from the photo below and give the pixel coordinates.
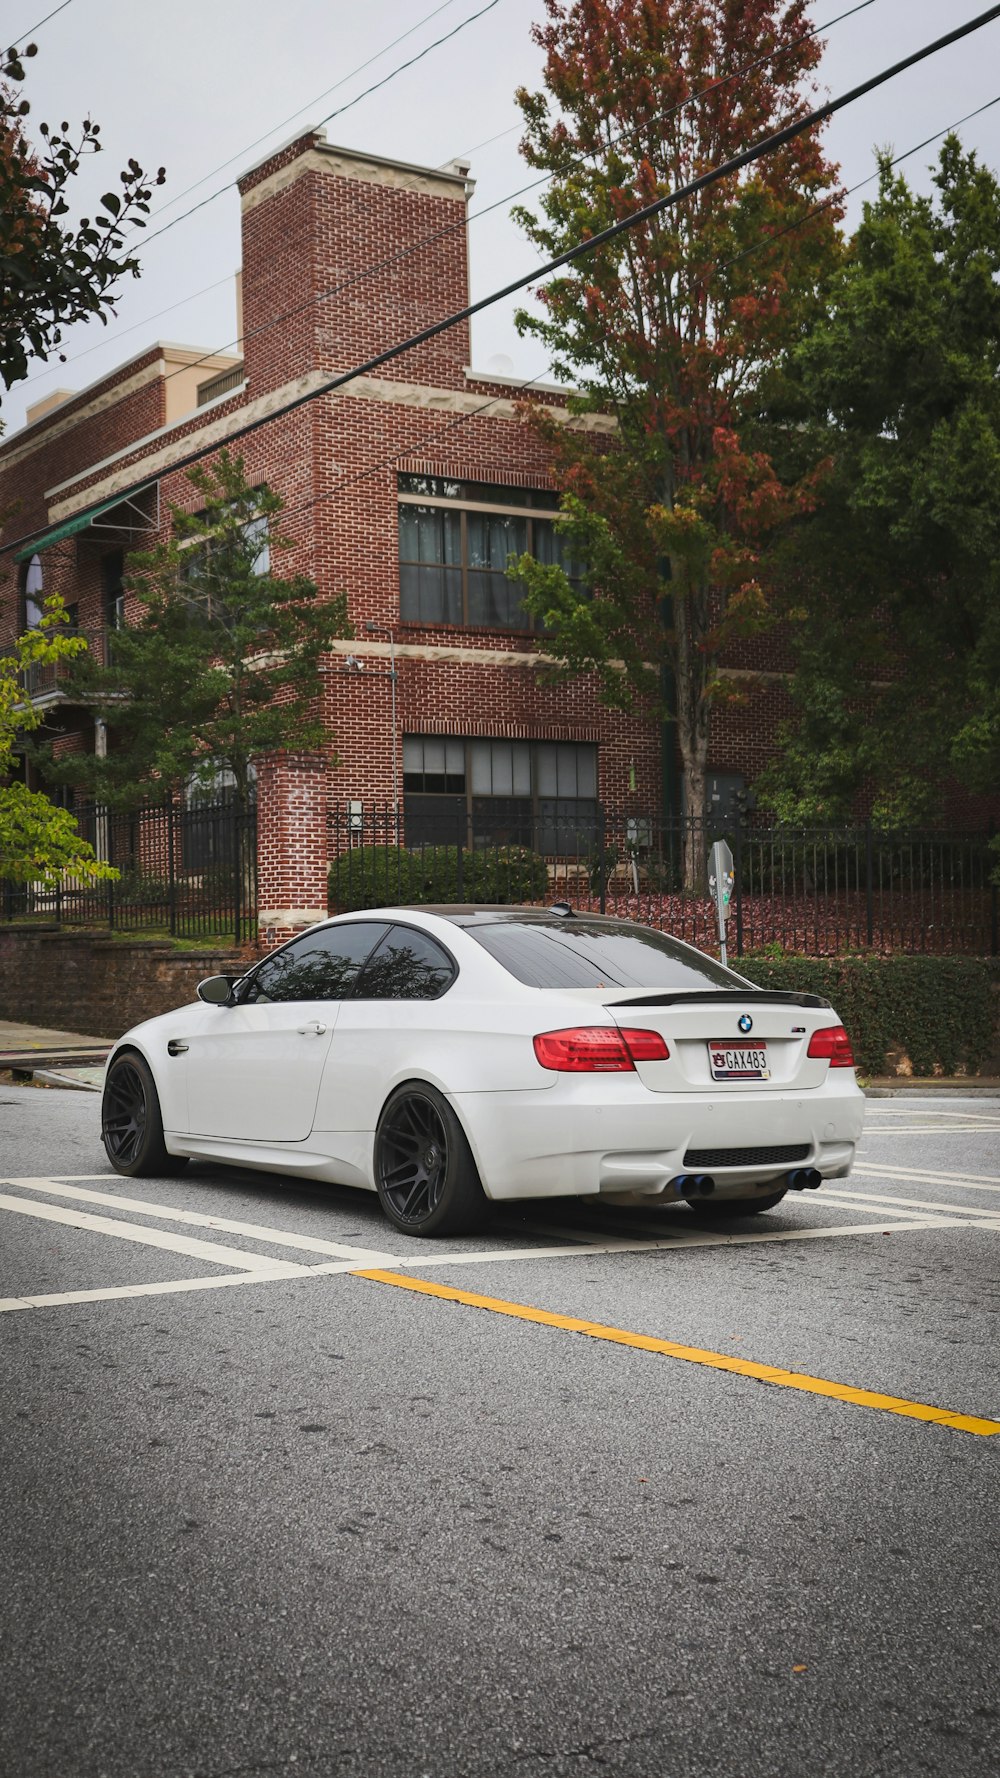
(33, 595)
(206, 569)
(456, 539)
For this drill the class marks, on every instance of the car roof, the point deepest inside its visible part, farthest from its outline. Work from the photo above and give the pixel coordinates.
(560, 914)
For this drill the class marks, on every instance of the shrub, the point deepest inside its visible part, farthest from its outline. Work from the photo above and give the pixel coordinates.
(390, 876)
(942, 1012)
(505, 874)
(136, 887)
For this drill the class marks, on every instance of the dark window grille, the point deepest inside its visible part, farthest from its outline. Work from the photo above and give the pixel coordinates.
(540, 794)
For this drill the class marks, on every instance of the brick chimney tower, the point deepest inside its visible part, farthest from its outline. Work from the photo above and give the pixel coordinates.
(346, 253)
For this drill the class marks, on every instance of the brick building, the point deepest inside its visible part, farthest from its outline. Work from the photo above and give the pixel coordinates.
(407, 490)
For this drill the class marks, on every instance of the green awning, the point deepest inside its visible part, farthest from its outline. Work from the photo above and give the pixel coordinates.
(81, 521)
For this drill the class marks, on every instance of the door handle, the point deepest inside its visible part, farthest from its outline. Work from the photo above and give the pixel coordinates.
(313, 1030)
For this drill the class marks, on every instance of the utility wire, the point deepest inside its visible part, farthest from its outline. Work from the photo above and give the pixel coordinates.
(454, 227)
(325, 94)
(44, 21)
(768, 145)
(401, 69)
(450, 228)
(134, 326)
(772, 55)
(419, 445)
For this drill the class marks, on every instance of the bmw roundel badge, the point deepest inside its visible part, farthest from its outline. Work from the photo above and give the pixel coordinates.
(745, 1022)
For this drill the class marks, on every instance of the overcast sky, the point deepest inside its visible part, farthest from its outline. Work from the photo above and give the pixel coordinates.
(200, 83)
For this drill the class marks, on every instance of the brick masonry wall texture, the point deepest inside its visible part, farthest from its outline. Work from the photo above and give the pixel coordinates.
(77, 982)
(335, 267)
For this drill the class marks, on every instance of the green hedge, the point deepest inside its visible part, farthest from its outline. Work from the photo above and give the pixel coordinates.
(942, 1012)
(387, 876)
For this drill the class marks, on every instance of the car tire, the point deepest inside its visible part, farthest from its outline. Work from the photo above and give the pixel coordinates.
(425, 1175)
(131, 1125)
(720, 1209)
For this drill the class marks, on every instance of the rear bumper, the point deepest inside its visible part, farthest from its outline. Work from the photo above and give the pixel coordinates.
(610, 1134)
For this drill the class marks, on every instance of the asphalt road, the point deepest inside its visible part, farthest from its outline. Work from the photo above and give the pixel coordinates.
(260, 1513)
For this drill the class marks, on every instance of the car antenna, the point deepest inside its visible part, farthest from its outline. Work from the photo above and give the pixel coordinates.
(563, 908)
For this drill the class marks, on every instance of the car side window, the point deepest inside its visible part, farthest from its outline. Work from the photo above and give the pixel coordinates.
(408, 965)
(321, 965)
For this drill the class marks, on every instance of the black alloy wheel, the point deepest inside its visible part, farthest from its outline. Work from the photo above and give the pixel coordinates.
(131, 1126)
(424, 1172)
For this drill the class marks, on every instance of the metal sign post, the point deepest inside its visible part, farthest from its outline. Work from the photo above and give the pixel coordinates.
(721, 879)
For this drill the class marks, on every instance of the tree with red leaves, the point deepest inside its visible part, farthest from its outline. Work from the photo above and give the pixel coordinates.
(675, 329)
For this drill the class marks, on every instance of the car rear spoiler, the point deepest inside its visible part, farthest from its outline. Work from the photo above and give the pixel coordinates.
(723, 996)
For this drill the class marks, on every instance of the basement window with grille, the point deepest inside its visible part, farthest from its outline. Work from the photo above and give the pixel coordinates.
(540, 794)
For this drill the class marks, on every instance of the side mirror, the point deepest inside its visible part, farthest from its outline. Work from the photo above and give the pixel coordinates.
(217, 990)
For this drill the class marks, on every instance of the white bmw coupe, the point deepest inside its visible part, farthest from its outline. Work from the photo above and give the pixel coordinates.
(445, 1056)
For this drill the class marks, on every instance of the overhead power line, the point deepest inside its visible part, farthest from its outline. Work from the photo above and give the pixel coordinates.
(285, 121)
(454, 227)
(772, 55)
(428, 240)
(768, 145)
(21, 37)
(374, 88)
(416, 445)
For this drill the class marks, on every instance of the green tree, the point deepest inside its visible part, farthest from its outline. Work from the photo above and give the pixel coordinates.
(53, 274)
(674, 329)
(897, 575)
(38, 842)
(222, 666)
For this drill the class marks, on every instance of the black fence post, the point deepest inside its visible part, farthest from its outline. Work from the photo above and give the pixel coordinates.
(602, 862)
(236, 843)
(172, 870)
(105, 814)
(460, 854)
(993, 900)
(738, 885)
(252, 880)
(869, 884)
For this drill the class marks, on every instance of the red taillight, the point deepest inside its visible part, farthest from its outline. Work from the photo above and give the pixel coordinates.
(646, 1046)
(832, 1044)
(598, 1049)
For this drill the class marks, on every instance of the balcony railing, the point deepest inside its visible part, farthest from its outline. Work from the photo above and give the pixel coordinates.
(220, 385)
(50, 679)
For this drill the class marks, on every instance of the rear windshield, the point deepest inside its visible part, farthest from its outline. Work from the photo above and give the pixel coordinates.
(585, 955)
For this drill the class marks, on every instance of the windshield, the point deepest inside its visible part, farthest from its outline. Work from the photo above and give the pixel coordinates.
(583, 954)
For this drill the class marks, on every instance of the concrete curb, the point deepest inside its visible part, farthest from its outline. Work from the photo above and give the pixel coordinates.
(948, 1092)
(936, 1086)
(49, 1077)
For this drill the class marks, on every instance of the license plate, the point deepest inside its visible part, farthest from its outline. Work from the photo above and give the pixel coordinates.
(738, 1061)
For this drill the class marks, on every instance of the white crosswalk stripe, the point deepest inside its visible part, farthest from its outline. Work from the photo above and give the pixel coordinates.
(61, 1201)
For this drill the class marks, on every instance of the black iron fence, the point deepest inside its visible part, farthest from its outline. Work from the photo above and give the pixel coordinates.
(819, 891)
(184, 872)
(191, 872)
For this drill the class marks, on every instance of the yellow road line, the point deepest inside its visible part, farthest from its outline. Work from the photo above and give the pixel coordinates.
(718, 1361)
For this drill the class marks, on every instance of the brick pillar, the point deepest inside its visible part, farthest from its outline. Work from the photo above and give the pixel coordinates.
(291, 845)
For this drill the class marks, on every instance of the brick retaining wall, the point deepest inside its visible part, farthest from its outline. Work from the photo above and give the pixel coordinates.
(73, 981)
